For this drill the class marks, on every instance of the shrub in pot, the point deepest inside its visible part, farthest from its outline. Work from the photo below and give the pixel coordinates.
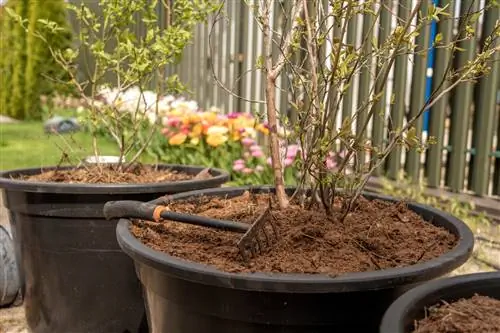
(195, 281)
(76, 278)
(339, 259)
(464, 303)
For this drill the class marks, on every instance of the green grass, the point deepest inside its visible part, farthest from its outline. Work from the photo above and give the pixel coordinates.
(25, 144)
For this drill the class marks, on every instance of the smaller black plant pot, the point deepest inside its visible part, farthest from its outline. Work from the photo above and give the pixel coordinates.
(75, 277)
(401, 315)
(187, 297)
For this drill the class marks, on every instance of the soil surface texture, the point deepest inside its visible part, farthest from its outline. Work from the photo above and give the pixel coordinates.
(478, 314)
(94, 174)
(375, 235)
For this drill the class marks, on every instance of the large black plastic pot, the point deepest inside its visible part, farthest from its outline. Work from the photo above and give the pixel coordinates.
(186, 297)
(76, 278)
(400, 316)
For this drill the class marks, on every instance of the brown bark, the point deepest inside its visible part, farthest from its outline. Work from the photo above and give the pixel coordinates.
(274, 143)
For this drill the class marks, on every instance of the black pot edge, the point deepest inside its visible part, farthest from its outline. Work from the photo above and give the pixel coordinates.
(219, 177)
(299, 283)
(392, 320)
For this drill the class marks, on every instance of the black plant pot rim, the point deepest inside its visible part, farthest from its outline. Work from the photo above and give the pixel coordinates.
(297, 283)
(392, 319)
(7, 181)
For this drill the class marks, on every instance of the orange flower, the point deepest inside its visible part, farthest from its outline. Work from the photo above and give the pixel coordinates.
(262, 128)
(177, 139)
(196, 130)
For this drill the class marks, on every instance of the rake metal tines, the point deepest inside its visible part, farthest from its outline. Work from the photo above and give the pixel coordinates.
(259, 236)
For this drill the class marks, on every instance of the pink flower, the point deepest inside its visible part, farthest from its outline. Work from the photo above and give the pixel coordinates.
(247, 142)
(269, 161)
(240, 161)
(238, 167)
(288, 161)
(233, 115)
(257, 153)
(291, 151)
(330, 161)
(173, 122)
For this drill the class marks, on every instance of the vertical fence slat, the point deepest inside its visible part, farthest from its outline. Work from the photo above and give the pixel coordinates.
(380, 85)
(231, 54)
(220, 63)
(399, 90)
(197, 48)
(434, 158)
(348, 103)
(364, 83)
(417, 98)
(240, 20)
(462, 100)
(205, 74)
(246, 73)
(484, 113)
(284, 84)
(496, 174)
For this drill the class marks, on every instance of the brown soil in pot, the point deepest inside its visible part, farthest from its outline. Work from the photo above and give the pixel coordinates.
(376, 235)
(478, 314)
(107, 174)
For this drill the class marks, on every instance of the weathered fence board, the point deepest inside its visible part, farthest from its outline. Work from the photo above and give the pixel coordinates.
(465, 122)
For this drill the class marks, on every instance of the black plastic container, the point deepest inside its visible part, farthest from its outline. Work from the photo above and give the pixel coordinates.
(188, 297)
(76, 278)
(400, 316)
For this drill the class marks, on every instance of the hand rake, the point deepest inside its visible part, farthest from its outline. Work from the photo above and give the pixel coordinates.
(257, 236)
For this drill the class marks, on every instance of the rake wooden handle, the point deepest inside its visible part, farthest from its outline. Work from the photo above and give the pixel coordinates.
(150, 212)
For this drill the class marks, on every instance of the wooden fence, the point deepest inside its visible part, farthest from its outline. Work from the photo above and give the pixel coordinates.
(220, 69)
(466, 157)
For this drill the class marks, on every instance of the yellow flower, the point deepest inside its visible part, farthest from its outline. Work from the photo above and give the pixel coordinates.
(249, 132)
(263, 129)
(236, 135)
(215, 140)
(217, 130)
(195, 140)
(210, 117)
(177, 139)
(194, 118)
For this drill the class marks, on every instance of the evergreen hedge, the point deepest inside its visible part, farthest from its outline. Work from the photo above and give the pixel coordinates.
(27, 68)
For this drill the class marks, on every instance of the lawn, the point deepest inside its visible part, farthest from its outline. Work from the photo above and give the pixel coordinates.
(26, 144)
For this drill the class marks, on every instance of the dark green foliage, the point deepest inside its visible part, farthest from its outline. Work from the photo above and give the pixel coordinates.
(27, 66)
(5, 61)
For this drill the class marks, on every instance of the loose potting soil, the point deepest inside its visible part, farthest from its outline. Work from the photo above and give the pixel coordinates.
(478, 314)
(375, 235)
(94, 174)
